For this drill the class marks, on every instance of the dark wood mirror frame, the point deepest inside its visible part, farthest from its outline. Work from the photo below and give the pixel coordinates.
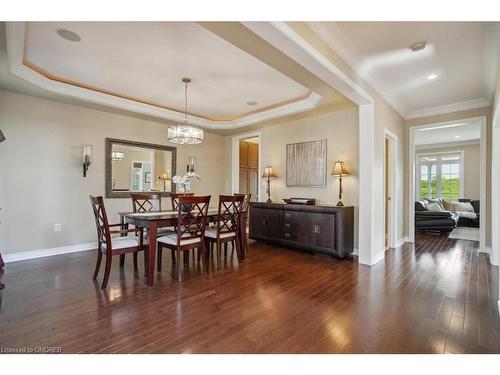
(109, 172)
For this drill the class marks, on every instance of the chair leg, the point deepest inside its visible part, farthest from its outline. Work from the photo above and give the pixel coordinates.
(146, 260)
(219, 254)
(135, 261)
(98, 264)
(225, 249)
(159, 253)
(186, 257)
(107, 271)
(122, 260)
(204, 257)
(173, 256)
(179, 266)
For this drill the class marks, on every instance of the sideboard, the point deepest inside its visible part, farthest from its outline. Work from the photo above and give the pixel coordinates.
(316, 228)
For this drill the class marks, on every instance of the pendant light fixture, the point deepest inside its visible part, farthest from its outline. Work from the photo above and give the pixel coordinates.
(185, 134)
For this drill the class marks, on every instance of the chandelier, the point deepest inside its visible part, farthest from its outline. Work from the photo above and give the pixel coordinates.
(185, 134)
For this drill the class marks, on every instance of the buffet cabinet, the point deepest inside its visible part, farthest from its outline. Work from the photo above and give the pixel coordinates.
(316, 228)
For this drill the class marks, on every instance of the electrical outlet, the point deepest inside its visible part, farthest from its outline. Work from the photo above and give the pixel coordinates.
(57, 227)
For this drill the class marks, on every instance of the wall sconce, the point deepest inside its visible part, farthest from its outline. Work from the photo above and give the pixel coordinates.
(191, 165)
(87, 158)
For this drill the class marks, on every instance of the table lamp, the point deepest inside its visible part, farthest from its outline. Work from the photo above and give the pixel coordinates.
(340, 170)
(269, 173)
(164, 177)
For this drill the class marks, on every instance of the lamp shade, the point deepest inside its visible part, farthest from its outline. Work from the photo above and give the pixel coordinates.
(339, 169)
(269, 172)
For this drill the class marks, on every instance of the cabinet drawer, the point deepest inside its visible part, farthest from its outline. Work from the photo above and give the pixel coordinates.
(291, 221)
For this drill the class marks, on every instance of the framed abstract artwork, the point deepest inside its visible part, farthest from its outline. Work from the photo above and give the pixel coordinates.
(306, 164)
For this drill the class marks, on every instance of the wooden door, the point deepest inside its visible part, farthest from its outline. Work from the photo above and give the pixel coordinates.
(244, 180)
(253, 184)
(244, 154)
(253, 155)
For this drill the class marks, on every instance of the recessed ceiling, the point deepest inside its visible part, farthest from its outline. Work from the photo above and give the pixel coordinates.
(145, 61)
(456, 53)
(461, 131)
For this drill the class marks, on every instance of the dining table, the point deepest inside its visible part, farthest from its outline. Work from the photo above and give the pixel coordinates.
(151, 221)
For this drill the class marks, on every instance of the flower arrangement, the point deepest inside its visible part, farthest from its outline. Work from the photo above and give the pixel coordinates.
(184, 182)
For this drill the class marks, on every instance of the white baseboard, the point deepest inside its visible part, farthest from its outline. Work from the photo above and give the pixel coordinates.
(33, 254)
(355, 252)
(486, 250)
(401, 241)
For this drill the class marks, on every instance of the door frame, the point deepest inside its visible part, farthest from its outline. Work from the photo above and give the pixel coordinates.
(392, 216)
(235, 160)
(482, 176)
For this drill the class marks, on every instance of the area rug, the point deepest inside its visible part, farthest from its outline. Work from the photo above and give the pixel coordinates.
(465, 233)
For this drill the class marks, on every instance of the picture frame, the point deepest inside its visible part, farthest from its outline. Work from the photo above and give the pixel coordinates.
(306, 164)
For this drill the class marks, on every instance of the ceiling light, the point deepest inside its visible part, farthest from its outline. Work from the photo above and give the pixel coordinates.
(457, 136)
(68, 35)
(252, 103)
(185, 134)
(431, 76)
(418, 46)
(441, 127)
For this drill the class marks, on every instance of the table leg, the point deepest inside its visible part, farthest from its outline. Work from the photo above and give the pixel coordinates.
(123, 226)
(152, 231)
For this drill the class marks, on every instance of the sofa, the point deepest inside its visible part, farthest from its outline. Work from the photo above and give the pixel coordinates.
(447, 220)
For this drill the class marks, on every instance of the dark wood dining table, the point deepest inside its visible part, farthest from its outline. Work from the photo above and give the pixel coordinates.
(152, 221)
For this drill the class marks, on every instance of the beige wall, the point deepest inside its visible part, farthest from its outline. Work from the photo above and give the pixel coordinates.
(41, 175)
(472, 160)
(485, 111)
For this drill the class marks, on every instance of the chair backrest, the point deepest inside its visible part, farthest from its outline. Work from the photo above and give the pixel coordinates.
(101, 222)
(229, 213)
(192, 212)
(175, 199)
(245, 203)
(146, 202)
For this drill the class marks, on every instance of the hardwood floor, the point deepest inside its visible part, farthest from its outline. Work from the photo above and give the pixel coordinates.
(436, 296)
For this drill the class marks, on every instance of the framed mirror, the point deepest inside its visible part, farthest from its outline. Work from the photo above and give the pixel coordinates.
(139, 167)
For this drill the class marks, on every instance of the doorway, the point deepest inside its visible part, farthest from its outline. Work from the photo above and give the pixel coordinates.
(246, 164)
(249, 167)
(390, 190)
(439, 169)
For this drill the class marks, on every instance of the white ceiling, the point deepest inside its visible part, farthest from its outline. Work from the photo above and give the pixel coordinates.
(461, 131)
(458, 52)
(147, 60)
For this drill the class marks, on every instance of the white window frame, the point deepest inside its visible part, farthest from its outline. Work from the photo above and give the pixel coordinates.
(438, 171)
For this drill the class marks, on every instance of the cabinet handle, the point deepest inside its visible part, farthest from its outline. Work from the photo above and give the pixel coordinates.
(287, 225)
(316, 229)
(287, 215)
(287, 235)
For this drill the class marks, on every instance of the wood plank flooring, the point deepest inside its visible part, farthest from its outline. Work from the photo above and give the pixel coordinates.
(436, 296)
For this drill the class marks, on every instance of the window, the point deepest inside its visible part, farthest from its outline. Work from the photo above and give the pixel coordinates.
(440, 175)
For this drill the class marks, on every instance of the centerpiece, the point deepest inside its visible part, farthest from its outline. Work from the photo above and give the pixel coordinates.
(183, 183)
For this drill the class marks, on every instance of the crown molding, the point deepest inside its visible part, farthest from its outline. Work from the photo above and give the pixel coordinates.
(15, 53)
(449, 108)
(341, 45)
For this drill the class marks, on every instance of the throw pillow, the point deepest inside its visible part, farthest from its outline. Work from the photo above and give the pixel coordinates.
(449, 205)
(434, 207)
(463, 207)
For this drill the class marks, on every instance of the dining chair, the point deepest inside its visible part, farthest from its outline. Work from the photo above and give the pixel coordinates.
(244, 221)
(175, 199)
(227, 226)
(192, 212)
(108, 245)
